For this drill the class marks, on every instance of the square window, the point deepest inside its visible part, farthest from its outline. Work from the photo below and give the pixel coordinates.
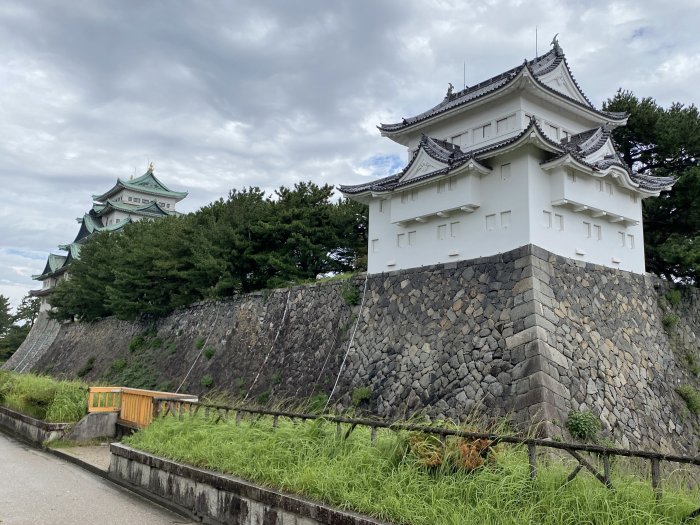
(412, 238)
(547, 219)
(441, 231)
(505, 219)
(401, 240)
(454, 229)
(491, 222)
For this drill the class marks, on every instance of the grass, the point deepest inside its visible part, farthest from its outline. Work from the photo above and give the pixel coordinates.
(43, 397)
(691, 396)
(390, 482)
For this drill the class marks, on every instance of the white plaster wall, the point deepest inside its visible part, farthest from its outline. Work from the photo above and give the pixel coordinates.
(473, 239)
(573, 238)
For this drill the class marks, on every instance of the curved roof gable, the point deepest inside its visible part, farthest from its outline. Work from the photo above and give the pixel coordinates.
(549, 71)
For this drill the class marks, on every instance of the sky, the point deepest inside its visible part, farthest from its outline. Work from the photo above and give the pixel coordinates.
(231, 94)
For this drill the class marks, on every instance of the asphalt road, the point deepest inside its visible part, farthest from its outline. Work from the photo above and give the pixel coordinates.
(37, 488)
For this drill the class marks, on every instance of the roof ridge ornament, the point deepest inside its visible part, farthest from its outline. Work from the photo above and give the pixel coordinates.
(450, 91)
(555, 45)
(151, 167)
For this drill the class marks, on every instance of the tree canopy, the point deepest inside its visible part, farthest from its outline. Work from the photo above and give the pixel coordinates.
(14, 328)
(664, 142)
(246, 242)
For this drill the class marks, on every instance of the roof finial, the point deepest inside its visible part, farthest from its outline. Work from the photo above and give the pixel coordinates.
(556, 46)
(450, 90)
(151, 167)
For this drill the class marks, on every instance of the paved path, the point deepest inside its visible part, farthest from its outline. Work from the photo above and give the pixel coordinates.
(37, 488)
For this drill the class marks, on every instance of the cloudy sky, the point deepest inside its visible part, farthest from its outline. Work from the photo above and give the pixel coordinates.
(230, 94)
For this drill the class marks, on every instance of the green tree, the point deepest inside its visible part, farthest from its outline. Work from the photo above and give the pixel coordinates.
(27, 311)
(5, 315)
(665, 142)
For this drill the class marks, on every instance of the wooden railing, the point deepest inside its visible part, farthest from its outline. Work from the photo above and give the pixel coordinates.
(345, 426)
(134, 405)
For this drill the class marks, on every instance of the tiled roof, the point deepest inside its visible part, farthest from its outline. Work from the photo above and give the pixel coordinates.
(579, 146)
(538, 67)
(146, 183)
(152, 208)
(53, 264)
(584, 144)
(444, 152)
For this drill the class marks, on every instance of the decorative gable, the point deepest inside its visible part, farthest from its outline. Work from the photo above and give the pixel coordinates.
(559, 79)
(421, 165)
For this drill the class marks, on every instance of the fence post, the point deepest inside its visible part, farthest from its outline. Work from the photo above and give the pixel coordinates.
(532, 459)
(656, 478)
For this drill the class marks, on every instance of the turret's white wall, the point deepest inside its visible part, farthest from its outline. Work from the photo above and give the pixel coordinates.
(526, 194)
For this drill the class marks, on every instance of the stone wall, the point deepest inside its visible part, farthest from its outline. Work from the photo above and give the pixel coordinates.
(524, 334)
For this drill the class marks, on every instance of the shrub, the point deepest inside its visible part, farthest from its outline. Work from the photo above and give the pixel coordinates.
(691, 396)
(87, 367)
(207, 381)
(693, 364)
(209, 352)
(199, 343)
(276, 378)
(361, 395)
(583, 425)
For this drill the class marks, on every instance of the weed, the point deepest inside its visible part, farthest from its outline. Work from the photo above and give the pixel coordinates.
(583, 425)
(239, 383)
(155, 343)
(137, 343)
(87, 367)
(209, 352)
(263, 398)
(693, 364)
(207, 381)
(669, 321)
(276, 378)
(118, 365)
(673, 297)
(691, 396)
(199, 343)
(316, 403)
(171, 347)
(43, 397)
(361, 395)
(350, 293)
(388, 481)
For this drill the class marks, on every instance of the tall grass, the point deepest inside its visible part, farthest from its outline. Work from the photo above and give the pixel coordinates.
(43, 397)
(389, 482)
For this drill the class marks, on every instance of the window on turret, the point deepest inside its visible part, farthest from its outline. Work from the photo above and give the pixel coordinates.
(375, 245)
(505, 172)
(598, 232)
(609, 188)
(491, 222)
(552, 131)
(505, 125)
(412, 238)
(570, 175)
(630, 241)
(460, 140)
(136, 199)
(482, 132)
(454, 229)
(401, 240)
(559, 222)
(587, 229)
(621, 238)
(547, 219)
(441, 231)
(129, 199)
(505, 219)
(633, 197)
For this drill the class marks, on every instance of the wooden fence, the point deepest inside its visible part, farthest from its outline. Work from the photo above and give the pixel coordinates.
(164, 406)
(134, 405)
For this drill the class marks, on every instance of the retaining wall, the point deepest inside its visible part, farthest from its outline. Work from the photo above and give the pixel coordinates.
(215, 498)
(525, 334)
(31, 429)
